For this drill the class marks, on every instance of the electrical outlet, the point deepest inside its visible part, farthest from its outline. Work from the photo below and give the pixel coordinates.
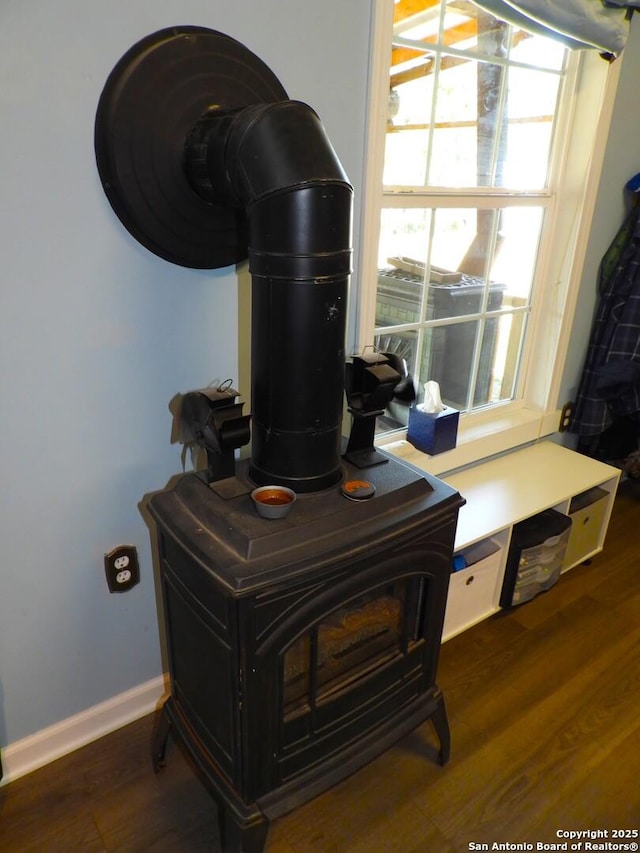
(121, 567)
(565, 416)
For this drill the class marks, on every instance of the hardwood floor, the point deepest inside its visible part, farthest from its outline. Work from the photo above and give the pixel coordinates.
(544, 706)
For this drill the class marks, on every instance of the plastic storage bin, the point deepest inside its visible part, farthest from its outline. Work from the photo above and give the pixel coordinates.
(536, 556)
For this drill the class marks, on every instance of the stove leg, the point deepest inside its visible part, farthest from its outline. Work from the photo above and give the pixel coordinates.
(242, 837)
(441, 725)
(160, 738)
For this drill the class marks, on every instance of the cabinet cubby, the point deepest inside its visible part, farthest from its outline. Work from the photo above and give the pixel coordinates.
(475, 589)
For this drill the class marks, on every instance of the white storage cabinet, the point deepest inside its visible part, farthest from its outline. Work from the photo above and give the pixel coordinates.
(509, 489)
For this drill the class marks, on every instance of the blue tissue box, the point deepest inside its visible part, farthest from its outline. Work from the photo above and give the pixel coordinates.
(433, 432)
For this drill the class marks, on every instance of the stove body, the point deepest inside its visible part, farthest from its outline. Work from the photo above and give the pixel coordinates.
(300, 649)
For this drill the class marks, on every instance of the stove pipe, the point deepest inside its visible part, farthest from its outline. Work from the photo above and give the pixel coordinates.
(275, 161)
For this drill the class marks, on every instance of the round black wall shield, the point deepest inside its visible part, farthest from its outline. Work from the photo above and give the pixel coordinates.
(152, 99)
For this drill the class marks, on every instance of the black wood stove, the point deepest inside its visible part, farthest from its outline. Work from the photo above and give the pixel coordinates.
(300, 647)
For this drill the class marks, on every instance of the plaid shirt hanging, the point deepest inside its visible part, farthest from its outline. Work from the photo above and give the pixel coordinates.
(610, 383)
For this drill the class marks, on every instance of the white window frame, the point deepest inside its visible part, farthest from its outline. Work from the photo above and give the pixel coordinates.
(536, 410)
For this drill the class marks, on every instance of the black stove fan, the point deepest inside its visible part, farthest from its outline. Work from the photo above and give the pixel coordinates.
(211, 419)
(372, 381)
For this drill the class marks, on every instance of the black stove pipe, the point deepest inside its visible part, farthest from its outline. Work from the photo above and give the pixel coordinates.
(275, 161)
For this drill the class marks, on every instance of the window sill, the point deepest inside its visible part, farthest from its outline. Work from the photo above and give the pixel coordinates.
(478, 438)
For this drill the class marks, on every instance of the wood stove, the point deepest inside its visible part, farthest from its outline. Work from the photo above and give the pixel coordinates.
(300, 649)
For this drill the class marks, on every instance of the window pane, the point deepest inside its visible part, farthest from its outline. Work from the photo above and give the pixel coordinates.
(532, 104)
(448, 357)
(469, 139)
(516, 251)
(509, 340)
(469, 252)
(463, 240)
(402, 344)
(459, 120)
(405, 157)
(404, 233)
(535, 50)
(447, 310)
(410, 103)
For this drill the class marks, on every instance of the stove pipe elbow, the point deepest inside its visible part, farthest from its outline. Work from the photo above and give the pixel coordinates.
(275, 161)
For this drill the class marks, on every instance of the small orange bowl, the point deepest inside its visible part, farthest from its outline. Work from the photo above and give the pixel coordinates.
(273, 501)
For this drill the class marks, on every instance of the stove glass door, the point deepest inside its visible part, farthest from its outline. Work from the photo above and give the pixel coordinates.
(349, 643)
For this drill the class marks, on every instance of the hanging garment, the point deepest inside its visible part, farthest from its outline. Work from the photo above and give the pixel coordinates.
(610, 384)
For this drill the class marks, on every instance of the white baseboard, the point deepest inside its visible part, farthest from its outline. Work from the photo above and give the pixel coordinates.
(41, 748)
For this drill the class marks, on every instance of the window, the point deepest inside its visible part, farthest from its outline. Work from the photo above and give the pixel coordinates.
(482, 141)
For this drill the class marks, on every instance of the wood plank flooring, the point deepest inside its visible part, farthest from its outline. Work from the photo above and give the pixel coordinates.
(544, 706)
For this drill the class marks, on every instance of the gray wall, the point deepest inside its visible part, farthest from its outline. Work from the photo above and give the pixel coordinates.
(97, 334)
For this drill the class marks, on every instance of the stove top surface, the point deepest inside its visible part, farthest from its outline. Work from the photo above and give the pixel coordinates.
(219, 524)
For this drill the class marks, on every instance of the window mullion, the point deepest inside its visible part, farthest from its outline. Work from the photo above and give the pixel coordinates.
(401, 197)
